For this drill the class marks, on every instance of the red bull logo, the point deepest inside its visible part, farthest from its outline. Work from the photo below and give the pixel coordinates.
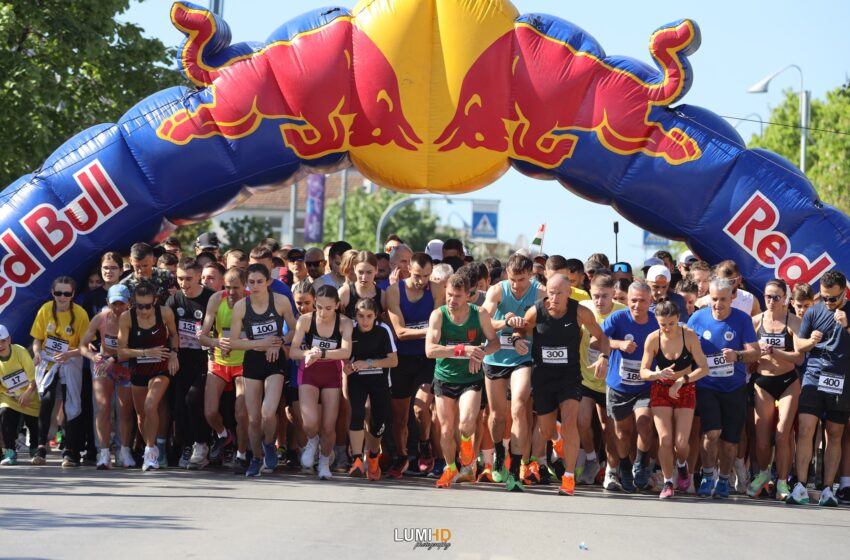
(306, 83)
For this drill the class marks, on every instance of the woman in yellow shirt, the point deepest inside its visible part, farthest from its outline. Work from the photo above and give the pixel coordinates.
(56, 333)
(18, 395)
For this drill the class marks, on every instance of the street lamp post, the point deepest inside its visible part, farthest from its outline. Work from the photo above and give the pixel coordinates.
(761, 87)
(392, 209)
(746, 117)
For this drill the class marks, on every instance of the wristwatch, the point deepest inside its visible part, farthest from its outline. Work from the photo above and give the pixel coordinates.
(370, 362)
(686, 378)
(739, 355)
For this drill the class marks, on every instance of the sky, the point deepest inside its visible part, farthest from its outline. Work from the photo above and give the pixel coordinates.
(742, 42)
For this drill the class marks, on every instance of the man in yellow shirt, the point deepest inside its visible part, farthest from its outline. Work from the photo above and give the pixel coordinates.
(572, 269)
(18, 395)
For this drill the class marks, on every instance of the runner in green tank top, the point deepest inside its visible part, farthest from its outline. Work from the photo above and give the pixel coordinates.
(456, 332)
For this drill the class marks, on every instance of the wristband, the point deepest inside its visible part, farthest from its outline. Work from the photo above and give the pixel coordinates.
(513, 340)
(686, 379)
(324, 352)
(460, 350)
(604, 356)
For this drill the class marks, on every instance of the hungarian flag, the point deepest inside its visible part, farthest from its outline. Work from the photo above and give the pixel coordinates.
(536, 246)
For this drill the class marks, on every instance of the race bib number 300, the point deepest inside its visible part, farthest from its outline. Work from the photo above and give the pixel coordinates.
(556, 355)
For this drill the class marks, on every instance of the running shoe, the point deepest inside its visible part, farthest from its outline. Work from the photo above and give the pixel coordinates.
(512, 484)
(568, 486)
(758, 485)
(240, 466)
(400, 464)
(103, 459)
(40, 456)
(70, 462)
(685, 480)
(843, 494)
(467, 452)
(150, 461)
(827, 498)
(308, 454)
(125, 458)
(357, 469)
(10, 458)
(611, 482)
(666, 491)
(499, 471)
(742, 477)
(89, 459)
(425, 463)
(439, 467)
(486, 474)
(448, 476)
(547, 475)
(185, 457)
(199, 460)
(627, 480)
(228, 457)
(641, 476)
(163, 456)
(269, 457)
(798, 496)
(783, 491)
(220, 444)
(692, 489)
(530, 473)
(706, 487)
(324, 467)
(340, 462)
(293, 463)
(373, 468)
(721, 488)
(254, 467)
(466, 474)
(588, 476)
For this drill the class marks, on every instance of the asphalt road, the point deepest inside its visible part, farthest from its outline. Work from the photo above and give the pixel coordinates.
(48, 512)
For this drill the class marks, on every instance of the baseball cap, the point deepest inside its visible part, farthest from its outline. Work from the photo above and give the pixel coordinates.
(208, 240)
(541, 258)
(118, 292)
(296, 253)
(652, 261)
(4, 332)
(687, 258)
(657, 270)
(435, 249)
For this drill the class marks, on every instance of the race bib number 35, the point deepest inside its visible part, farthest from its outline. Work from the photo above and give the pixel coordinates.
(55, 345)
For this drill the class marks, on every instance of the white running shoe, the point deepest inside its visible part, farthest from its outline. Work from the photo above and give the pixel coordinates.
(151, 460)
(308, 454)
(198, 460)
(324, 467)
(611, 483)
(103, 459)
(742, 476)
(125, 458)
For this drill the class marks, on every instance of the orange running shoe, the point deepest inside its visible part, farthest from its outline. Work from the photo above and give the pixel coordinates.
(467, 453)
(357, 469)
(568, 486)
(486, 474)
(449, 474)
(373, 471)
(530, 473)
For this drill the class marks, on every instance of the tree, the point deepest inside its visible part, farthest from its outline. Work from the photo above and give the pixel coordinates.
(828, 149)
(416, 226)
(246, 232)
(65, 67)
(188, 234)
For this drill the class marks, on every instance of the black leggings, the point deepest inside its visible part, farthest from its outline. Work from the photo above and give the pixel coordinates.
(190, 425)
(376, 388)
(10, 420)
(73, 428)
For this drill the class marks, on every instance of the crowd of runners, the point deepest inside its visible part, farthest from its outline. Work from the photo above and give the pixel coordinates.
(535, 370)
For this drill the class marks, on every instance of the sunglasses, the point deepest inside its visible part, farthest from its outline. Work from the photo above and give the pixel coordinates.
(773, 298)
(63, 294)
(297, 259)
(831, 299)
(314, 263)
(621, 267)
(144, 305)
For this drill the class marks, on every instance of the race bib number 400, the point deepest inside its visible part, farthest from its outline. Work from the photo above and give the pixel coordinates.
(719, 367)
(556, 355)
(630, 372)
(832, 384)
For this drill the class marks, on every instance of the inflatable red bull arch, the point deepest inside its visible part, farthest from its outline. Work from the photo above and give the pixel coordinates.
(420, 96)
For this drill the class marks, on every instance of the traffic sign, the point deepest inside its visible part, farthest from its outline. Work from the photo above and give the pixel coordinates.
(652, 240)
(485, 221)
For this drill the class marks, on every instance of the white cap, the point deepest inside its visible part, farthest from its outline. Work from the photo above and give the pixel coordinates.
(657, 270)
(687, 257)
(4, 332)
(435, 249)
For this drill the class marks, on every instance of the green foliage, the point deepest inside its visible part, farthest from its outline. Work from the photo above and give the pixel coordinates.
(68, 65)
(245, 233)
(414, 225)
(188, 234)
(827, 154)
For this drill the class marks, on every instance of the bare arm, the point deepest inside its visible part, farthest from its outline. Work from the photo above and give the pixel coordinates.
(433, 348)
(88, 336)
(209, 320)
(397, 320)
(284, 308)
(346, 327)
(295, 352)
(650, 347)
(491, 303)
(174, 339)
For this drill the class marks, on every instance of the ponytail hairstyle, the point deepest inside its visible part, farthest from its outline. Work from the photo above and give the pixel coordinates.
(71, 282)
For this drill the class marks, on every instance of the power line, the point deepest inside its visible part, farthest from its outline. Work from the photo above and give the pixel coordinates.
(795, 126)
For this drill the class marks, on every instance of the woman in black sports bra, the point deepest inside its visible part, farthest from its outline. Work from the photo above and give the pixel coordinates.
(365, 265)
(679, 362)
(777, 382)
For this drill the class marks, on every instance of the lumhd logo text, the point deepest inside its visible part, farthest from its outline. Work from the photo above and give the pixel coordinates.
(425, 538)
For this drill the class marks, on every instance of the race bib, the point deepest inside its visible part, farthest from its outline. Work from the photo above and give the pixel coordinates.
(505, 342)
(555, 355)
(777, 341)
(188, 331)
(719, 367)
(15, 382)
(419, 325)
(110, 342)
(324, 343)
(829, 383)
(260, 331)
(630, 372)
(371, 371)
(55, 345)
(148, 360)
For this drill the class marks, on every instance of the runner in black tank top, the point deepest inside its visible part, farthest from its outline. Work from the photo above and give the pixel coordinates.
(142, 369)
(259, 326)
(353, 298)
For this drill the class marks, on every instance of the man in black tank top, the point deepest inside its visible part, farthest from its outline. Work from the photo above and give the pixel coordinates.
(555, 324)
(189, 306)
